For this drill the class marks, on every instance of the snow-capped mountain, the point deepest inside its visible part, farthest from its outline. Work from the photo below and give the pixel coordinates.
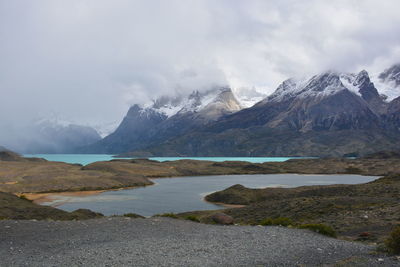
(215, 102)
(321, 86)
(331, 113)
(167, 117)
(326, 101)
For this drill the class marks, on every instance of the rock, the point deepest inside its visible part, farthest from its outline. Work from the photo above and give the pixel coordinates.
(222, 218)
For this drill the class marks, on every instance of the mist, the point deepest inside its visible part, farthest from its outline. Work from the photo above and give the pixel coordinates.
(88, 61)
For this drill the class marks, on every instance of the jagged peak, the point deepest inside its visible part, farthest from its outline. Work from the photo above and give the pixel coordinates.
(200, 100)
(193, 102)
(320, 85)
(225, 100)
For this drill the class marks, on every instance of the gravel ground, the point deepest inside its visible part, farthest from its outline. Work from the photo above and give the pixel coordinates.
(120, 241)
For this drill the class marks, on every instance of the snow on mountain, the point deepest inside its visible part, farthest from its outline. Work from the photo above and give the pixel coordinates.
(388, 82)
(193, 103)
(220, 98)
(322, 85)
(215, 107)
(287, 89)
(105, 129)
(248, 97)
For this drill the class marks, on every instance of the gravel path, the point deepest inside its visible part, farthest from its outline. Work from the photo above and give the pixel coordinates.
(167, 242)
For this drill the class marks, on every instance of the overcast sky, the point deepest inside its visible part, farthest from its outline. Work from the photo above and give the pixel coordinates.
(89, 60)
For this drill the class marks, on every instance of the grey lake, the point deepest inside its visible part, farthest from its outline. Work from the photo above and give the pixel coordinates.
(187, 193)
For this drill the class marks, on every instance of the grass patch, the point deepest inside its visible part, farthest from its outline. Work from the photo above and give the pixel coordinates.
(282, 221)
(353, 170)
(322, 229)
(192, 218)
(393, 242)
(169, 215)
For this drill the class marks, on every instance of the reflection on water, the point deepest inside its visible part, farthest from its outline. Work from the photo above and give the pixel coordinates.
(186, 193)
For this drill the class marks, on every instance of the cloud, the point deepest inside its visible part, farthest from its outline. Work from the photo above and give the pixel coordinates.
(89, 60)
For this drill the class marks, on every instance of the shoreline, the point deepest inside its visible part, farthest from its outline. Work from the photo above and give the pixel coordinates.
(40, 198)
(233, 206)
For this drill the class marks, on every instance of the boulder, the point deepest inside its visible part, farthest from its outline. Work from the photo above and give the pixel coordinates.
(222, 218)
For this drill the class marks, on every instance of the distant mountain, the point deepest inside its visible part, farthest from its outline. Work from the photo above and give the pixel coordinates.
(52, 136)
(166, 118)
(330, 114)
(56, 138)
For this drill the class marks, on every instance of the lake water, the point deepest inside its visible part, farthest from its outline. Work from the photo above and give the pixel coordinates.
(85, 159)
(186, 193)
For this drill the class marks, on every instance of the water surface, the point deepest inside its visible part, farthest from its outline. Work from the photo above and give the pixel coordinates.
(85, 159)
(186, 193)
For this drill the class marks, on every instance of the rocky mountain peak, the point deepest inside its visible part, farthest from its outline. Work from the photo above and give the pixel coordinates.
(327, 83)
(223, 103)
(321, 85)
(215, 97)
(134, 110)
(361, 78)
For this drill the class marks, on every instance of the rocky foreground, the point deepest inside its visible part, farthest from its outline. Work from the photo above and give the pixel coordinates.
(169, 242)
(362, 212)
(365, 212)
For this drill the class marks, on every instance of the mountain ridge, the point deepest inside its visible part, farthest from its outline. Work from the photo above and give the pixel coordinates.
(166, 118)
(329, 114)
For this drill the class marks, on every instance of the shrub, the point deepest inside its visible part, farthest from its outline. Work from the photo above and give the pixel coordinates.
(132, 215)
(393, 242)
(282, 221)
(170, 215)
(353, 170)
(192, 218)
(322, 229)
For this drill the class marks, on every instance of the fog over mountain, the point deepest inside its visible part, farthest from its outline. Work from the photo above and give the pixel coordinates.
(91, 60)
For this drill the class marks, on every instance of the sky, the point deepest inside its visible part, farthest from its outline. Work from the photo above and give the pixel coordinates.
(87, 61)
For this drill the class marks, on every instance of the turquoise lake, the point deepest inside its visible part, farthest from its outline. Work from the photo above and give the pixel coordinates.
(187, 193)
(85, 159)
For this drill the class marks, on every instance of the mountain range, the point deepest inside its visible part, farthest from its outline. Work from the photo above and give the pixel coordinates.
(329, 114)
